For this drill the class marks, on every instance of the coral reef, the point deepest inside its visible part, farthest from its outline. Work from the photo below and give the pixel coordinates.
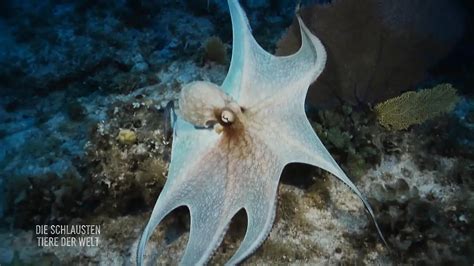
(418, 227)
(86, 170)
(412, 108)
(126, 159)
(83, 46)
(123, 172)
(318, 220)
(375, 48)
(74, 74)
(353, 136)
(426, 221)
(42, 200)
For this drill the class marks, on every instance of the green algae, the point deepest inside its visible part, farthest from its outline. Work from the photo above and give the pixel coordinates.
(318, 193)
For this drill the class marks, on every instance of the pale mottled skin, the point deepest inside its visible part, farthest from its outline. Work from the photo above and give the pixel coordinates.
(216, 173)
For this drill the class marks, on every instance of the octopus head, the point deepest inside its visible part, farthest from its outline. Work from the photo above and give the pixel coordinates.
(204, 104)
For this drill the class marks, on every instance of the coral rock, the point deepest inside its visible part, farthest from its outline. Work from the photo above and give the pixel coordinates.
(127, 136)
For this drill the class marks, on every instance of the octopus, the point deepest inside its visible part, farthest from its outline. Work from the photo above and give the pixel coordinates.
(231, 143)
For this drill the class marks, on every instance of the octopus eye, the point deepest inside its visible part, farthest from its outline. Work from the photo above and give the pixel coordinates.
(227, 116)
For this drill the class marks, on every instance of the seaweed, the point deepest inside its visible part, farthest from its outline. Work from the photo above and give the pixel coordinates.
(292, 211)
(352, 136)
(215, 50)
(422, 229)
(127, 167)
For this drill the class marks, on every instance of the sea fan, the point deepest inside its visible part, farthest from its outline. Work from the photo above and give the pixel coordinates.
(376, 49)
